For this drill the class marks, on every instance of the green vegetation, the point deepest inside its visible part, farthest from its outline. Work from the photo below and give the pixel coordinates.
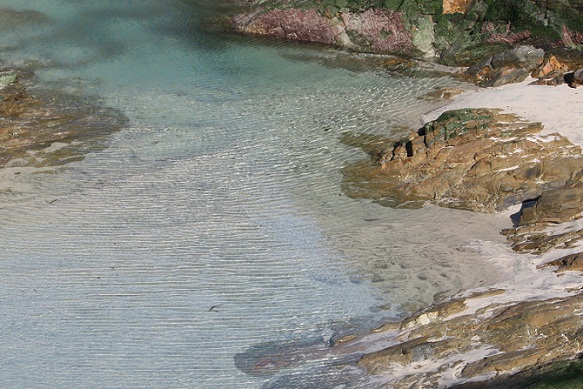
(562, 375)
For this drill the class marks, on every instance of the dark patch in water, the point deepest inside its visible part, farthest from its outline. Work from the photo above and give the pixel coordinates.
(33, 123)
(317, 348)
(268, 358)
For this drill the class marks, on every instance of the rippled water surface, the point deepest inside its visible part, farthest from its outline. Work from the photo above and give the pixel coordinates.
(215, 221)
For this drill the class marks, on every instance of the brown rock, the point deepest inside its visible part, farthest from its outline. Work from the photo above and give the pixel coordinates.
(478, 160)
(555, 206)
(550, 68)
(536, 232)
(524, 240)
(506, 338)
(572, 262)
(455, 6)
(34, 123)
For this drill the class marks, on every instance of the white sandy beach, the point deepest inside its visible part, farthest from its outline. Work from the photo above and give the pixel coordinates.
(559, 108)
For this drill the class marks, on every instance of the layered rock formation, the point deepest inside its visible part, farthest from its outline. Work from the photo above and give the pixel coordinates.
(495, 341)
(482, 340)
(483, 160)
(480, 160)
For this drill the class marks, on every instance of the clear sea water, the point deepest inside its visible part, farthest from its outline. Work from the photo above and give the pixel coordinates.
(214, 221)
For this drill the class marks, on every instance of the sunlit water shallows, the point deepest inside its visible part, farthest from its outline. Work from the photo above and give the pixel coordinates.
(215, 221)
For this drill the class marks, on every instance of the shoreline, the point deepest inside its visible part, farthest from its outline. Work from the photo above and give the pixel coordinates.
(556, 107)
(526, 277)
(523, 274)
(483, 336)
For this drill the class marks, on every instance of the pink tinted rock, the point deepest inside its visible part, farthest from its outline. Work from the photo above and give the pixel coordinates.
(384, 30)
(291, 24)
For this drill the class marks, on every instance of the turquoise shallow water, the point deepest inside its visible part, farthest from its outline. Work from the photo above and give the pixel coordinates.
(215, 221)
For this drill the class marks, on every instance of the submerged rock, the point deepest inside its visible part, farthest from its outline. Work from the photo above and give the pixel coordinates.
(11, 19)
(474, 159)
(49, 130)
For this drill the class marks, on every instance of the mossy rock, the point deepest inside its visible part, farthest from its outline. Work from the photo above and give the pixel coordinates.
(451, 124)
(560, 375)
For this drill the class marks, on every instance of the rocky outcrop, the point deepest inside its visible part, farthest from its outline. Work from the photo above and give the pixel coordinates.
(496, 341)
(555, 206)
(468, 342)
(536, 232)
(292, 24)
(372, 30)
(479, 160)
(484, 160)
